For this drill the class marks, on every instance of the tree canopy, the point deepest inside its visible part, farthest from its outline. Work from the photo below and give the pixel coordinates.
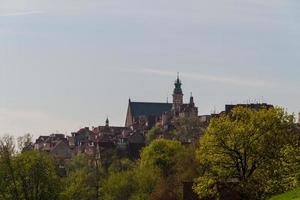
(244, 149)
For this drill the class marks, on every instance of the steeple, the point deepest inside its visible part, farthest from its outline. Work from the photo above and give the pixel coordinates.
(177, 95)
(107, 122)
(177, 89)
(192, 100)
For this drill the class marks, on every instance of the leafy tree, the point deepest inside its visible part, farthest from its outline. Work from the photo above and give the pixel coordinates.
(118, 186)
(153, 134)
(82, 179)
(243, 150)
(37, 178)
(25, 143)
(129, 183)
(121, 165)
(78, 186)
(8, 179)
(161, 154)
(146, 180)
(26, 176)
(188, 128)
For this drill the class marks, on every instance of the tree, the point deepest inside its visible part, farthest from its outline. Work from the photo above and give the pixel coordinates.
(82, 179)
(118, 186)
(161, 154)
(26, 176)
(8, 178)
(126, 182)
(243, 150)
(188, 128)
(36, 175)
(153, 134)
(78, 186)
(25, 143)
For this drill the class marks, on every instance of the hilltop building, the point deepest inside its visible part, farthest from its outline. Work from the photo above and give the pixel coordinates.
(145, 115)
(140, 118)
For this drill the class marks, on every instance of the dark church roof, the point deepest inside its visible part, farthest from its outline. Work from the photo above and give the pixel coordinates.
(149, 109)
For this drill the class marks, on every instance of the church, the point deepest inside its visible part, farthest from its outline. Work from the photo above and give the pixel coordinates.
(145, 115)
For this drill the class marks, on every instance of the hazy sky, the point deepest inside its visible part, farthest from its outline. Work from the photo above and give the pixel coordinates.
(68, 64)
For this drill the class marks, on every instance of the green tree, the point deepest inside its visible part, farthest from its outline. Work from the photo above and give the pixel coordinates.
(161, 154)
(78, 186)
(37, 178)
(188, 129)
(8, 179)
(153, 134)
(26, 176)
(127, 183)
(244, 149)
(82, 179)
(118, 186)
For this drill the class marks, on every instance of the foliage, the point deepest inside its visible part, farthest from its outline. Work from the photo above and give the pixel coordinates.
(129, 181)
(30, 175)
(78, 186)
(121, 165)
(25, 142)
(153, 134)
(118, 186)
(188, 128)
(82, 181)
(244, 149)
(155, 177)
(291, 195)
(160, 154)
(36, 176)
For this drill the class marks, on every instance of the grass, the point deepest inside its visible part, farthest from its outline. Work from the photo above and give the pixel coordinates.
(291, 195)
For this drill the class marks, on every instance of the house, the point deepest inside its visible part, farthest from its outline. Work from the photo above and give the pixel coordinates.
(61, 150)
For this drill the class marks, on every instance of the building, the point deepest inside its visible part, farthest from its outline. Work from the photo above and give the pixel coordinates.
(56, 145)
(256, 106)
(205, 119)
(145, 115)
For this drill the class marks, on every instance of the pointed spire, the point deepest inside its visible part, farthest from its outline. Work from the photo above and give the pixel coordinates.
(192, 99)
(107, 122)
(177, 89)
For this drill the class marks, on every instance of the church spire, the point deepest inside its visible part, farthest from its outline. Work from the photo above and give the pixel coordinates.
(192, 100)
(177, 95)
(177, 89)
(107, 122)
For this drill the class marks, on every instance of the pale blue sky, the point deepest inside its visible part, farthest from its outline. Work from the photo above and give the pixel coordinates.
(68, 64)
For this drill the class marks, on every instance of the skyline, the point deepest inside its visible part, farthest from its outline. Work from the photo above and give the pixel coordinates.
(66, 65)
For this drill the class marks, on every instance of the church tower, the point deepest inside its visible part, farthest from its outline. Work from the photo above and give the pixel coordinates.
(177, 95)
(107, 122)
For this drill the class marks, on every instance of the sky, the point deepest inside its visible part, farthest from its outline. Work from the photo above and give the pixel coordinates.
(68, 64)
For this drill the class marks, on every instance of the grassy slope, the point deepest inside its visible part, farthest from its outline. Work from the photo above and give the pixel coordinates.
(292, 195)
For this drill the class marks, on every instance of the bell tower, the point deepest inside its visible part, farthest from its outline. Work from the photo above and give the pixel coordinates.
(177, 95)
